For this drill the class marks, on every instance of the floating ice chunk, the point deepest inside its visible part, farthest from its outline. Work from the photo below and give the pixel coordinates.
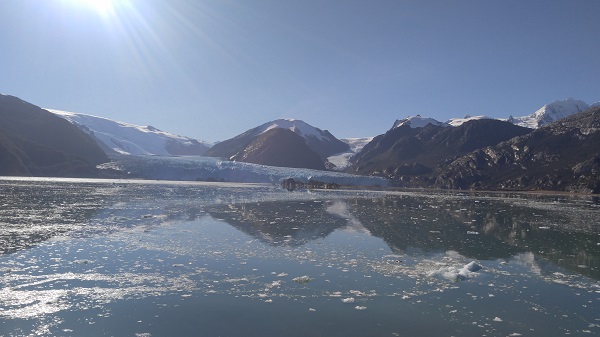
(497, 319)
(302, 279)
(455, 274)
(472, 232)
(312, 309)
(544, 227)
(473, 266)
(358, 307)
(348, 300)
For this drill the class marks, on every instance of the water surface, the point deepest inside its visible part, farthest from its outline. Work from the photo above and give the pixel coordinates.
(131, 258)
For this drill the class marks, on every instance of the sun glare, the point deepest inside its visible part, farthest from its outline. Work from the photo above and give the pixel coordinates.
(100, 7)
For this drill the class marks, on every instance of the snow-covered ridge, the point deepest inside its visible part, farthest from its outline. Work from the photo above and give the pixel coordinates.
(299, 127)
(461, 121)
(550, 113)
(417, 122)
(545, 115)
(125, 138)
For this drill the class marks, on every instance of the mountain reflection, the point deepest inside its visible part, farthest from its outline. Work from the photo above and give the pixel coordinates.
(552, 230)
(480, 229)
(280, 223)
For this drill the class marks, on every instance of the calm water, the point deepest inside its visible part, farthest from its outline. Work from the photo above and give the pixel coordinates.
(103, 258)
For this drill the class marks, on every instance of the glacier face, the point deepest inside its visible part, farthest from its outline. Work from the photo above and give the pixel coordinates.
(192, 168)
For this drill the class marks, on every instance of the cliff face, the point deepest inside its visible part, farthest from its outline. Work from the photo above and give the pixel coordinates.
(562, 156)
(34, 142)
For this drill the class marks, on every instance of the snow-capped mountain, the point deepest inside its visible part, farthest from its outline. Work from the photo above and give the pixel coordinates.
(323, 143)
(299, 127)
(550, 113)
(118, 137)
(417, 122)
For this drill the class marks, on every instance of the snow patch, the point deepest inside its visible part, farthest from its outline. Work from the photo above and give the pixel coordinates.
(461, 121)
(417, 122)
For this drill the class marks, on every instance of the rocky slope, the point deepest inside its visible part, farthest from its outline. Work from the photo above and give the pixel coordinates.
(562, 156)
(34, 142)
(323, 143)
(280, 147)
(412, 153)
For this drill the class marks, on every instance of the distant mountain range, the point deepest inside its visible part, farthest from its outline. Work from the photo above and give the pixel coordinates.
(554, 148)
(406, 151)
(563, 156)
(560, 152)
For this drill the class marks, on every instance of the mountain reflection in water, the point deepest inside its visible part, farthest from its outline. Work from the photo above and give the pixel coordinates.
(484, 229)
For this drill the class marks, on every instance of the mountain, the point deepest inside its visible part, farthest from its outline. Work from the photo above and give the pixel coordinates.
(550, 113)
(323, 143)
(35, 142)
(280, 147)
(417, 122)
(406, 151)
(562, 156)
(124, 138)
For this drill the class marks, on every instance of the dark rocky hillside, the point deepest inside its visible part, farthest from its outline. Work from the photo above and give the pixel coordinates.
(35, 142)
(411, 155)
(280, 147)
(321, 142)
(562, 156)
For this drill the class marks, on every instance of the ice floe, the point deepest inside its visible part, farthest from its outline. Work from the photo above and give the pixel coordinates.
(456, 274)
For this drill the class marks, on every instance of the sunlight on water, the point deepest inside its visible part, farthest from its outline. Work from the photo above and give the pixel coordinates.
(152, 259)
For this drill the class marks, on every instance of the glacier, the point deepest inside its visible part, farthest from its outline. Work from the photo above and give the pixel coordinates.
(126, 138)
(199, 168)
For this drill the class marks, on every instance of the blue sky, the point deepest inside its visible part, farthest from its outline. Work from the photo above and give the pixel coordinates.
(213, 69)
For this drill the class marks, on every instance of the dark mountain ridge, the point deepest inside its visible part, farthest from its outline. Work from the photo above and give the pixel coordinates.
(321, 142)
(34, 142)
(405, 152)
(562, 156)
(280, 147)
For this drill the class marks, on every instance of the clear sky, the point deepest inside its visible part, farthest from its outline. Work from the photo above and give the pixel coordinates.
(213, 69)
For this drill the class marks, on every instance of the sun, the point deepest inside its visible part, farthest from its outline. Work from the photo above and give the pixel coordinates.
(100, 7)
